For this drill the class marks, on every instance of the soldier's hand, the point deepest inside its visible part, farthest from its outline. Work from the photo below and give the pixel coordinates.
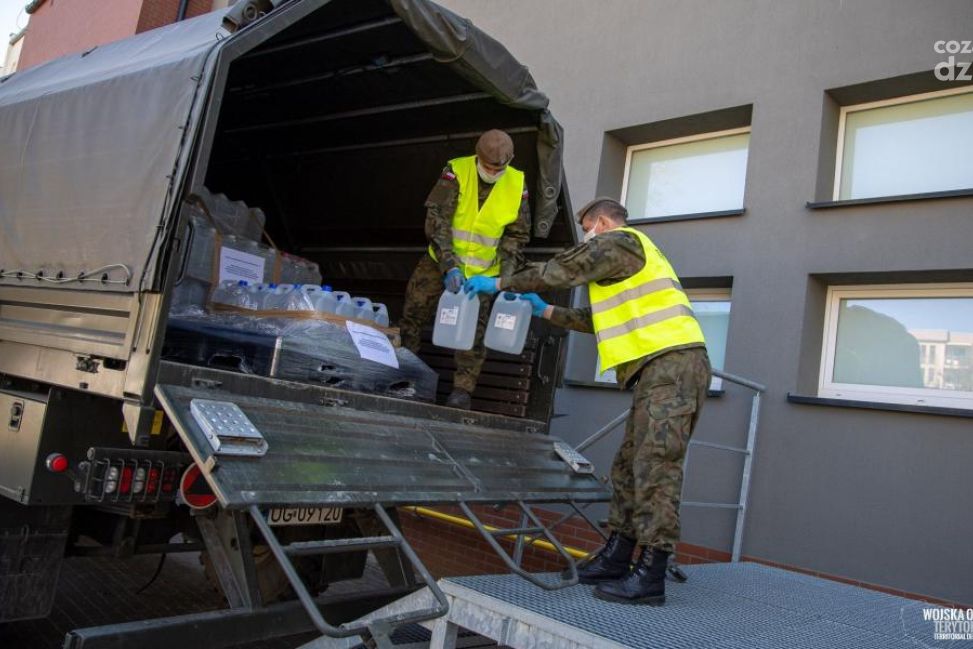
(453, 280)
(480, 284)
(537, 304)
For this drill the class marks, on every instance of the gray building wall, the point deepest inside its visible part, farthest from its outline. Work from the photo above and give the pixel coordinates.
(871, 495)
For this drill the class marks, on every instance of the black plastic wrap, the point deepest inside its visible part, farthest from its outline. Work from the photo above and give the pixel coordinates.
(310, 351)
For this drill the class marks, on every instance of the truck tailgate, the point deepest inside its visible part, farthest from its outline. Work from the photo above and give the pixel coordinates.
(339, 455)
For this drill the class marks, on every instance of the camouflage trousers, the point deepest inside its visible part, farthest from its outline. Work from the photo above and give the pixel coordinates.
(648, 468)
(421, 298)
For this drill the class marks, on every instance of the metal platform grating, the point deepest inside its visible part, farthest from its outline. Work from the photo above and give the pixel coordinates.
(727, 606)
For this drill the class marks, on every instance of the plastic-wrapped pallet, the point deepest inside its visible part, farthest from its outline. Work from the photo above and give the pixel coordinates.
(297, 270)
(233, 217)
(192, 290)
(309, 351)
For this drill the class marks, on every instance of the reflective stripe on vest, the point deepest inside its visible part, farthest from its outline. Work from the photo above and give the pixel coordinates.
(644, 314)
(477, 231)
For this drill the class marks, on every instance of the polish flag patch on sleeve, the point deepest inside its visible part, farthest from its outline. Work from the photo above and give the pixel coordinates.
(524, 195)
(448, 175)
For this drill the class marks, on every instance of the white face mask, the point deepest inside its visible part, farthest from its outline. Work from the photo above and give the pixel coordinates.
(486, 177)
(590, 234)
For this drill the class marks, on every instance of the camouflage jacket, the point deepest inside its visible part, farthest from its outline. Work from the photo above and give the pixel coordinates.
(606, 259)
(440, 207)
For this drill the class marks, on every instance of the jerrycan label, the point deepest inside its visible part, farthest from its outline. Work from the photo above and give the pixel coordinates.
(448, 316)
(505, 321)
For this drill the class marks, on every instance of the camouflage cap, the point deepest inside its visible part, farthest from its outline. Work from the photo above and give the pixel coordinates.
(495, 148)
(613, 205)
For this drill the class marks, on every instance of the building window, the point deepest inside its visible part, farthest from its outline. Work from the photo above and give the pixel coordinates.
(908, 344)
(712, 307)
(908, 145)
(689, 175)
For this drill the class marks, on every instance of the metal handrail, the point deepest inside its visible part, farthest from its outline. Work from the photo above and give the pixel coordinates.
(741, 504)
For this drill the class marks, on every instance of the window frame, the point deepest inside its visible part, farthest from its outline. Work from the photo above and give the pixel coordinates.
(714, 295)
(710, 135)
(883, 103)
(828, 388)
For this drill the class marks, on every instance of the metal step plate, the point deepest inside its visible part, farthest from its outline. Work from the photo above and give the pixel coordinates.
(227, 429)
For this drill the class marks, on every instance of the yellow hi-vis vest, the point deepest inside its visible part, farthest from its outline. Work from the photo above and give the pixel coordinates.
(477, 231)
(644, 314)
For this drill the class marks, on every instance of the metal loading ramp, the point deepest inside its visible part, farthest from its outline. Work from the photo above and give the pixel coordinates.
(721, 606)
(301, 449)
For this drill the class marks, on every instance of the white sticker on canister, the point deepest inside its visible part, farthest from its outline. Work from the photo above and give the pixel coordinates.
(449, 316)
(505, 321)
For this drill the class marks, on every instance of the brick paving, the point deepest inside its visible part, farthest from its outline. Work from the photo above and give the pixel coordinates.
(92, 592)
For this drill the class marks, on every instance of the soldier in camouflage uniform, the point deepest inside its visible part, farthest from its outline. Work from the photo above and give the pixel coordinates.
(670, 385)
(431, 275)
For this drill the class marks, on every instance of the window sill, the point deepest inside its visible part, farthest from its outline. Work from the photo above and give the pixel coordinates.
(688, 217)
(878, 405)
(877, 200)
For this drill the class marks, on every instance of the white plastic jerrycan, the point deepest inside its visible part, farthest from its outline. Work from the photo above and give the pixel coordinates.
(455, 325)
(363, 308)
(279, 297)
(381, 314)
(325, 301)
(303, 297)
(345, 306)
(508, 324)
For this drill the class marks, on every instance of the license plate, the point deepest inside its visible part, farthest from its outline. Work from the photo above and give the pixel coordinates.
(305, 515)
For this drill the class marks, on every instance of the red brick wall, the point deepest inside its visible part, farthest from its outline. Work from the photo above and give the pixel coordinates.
(60, 27)
(156, 13)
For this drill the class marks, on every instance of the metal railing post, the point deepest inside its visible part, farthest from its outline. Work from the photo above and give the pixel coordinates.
(748, 451)
(745, 479)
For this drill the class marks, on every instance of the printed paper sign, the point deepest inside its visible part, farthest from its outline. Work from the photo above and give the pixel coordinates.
(236, 265)
(505, 321)
(449, 315)
(372, 344)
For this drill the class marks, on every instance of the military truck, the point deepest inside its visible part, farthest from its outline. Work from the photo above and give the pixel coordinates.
(334, 118)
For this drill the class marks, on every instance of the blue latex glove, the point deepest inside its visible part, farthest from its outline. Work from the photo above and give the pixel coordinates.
(453, 280)
(480, 284)
(536, 302)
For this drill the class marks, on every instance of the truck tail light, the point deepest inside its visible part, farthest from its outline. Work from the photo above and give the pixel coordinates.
(138, 482)
(152, 481)
(56, 463)
(169, 481)
(111, 480)
(125, 482)
(136, 476)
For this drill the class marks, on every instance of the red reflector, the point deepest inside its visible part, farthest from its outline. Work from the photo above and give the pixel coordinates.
(57, 463)
(125, 484)
(169, 481)
(152, 482)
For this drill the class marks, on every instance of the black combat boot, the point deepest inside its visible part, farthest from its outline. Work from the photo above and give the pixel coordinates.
(459, 398)
(644, 584)
(610, 562)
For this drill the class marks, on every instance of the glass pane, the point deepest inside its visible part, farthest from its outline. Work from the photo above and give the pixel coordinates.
(911, 148)
(906, 343)
(714, 319)
(703, 176)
